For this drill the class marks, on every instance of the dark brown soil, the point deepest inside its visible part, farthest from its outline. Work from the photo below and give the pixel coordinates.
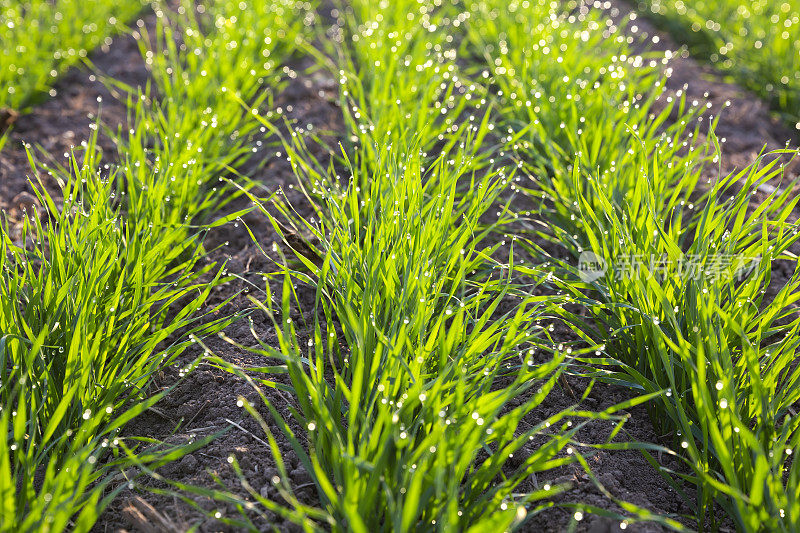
(205, 401)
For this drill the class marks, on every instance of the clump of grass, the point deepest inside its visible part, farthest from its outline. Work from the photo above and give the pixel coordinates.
(416, 385)
(108, 288)
(193, 129)
(683, 307)
(675, 310)
(413, 410)
(41, 39)
(89, 300)
(412, 45)
(568, 89)
(756, 43)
